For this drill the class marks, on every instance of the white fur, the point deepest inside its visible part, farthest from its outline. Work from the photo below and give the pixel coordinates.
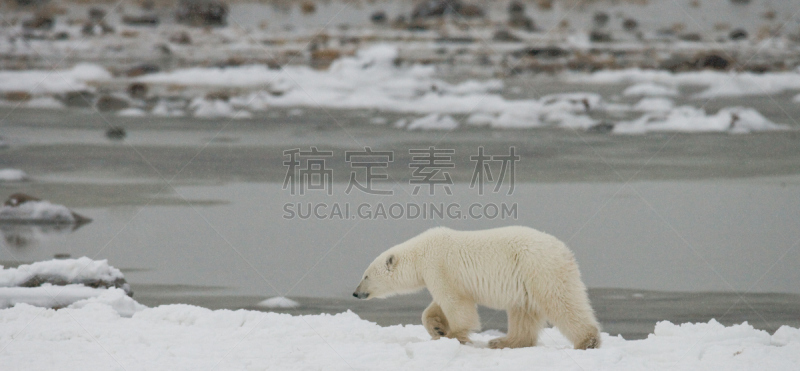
(530, 274)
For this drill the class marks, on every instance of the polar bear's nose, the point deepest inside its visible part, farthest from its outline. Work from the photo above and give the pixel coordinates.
(355, 294)
(361, 295)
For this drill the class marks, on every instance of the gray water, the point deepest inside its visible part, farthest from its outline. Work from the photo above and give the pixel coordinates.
(664, 226)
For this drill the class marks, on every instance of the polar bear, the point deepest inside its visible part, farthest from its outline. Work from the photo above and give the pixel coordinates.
(530, 274)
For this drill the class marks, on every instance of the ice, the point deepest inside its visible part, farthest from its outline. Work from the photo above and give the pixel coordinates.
(94, 334)
(649, 89)
(796, 98)
(132, 112)
(690, 119)
(44, 102)
(278, 302)
(12, 175)
(69, 270)
(654, 104)
(47, 295)
(719, 84)
(37, 211)
(59, 283)
(57, 81)
(433, 122)
(216, 108)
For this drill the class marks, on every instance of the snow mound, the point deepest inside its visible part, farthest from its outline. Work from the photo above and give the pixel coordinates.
(690, 119)
(654, 104)
(648, 89)
(184, 337)
(216, 108)
(44, 102)
(59, 283)
(278, 302)
(37, 211)
(719, 84)
(115, 298)
(68, 270)
(12, 175)
(53, 82)
(132, 112)
(433, 122)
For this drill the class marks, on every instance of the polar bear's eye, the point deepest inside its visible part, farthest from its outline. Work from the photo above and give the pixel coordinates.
(365, 277)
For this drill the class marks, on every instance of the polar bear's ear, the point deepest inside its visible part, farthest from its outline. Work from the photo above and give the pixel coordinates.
(391, 261)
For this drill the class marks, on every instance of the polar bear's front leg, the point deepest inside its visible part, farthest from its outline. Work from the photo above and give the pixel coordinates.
(434, 321)
(462, 318)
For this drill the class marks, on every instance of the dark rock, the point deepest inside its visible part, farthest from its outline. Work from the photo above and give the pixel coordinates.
(505, 36)
(738, 34)
(471, 11)
(600, 37)
(516, 7)
(57, 280)
(545, 52)
(182, 38)
(691, 37)
(378, 17)
(521, 21)
(61, 35)
(142, 69)
(137, 90)
(17, 199)
(630, 25)
(740, 2)
(111, 103)
(96, 15)
(202, 13)
(307, 7)
(601, 128)
(78, 99)
(17, 96)
(141, 20)
(116, 133)
(61, 256)
(714, 61)
(440, 8)
(40, 21)
(600, 19)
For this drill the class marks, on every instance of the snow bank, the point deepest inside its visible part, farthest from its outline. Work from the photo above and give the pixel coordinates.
(278, 302)
(12, 175)
(433, 122)
(183, 337)
(690, 119)
(37, 211)
(59, 283)
(67, 270)
(649, 89)
(53, 82)
(720, 84)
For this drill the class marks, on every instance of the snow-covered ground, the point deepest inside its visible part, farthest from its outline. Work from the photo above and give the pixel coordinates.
(93, 336)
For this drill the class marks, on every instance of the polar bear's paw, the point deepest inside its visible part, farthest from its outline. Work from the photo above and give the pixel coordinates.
(437, 327)
(507, 342)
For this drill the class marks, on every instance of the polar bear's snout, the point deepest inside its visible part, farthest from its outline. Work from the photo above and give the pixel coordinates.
(360, 292)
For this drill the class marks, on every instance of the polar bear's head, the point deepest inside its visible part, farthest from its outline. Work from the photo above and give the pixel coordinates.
(391, 273)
